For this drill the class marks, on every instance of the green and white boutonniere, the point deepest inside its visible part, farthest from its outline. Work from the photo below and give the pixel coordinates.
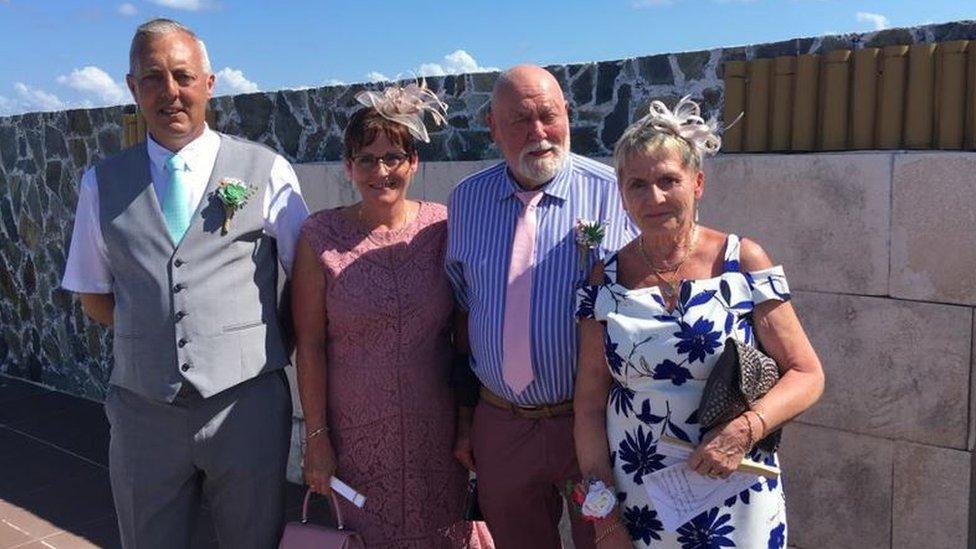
(233, 194)
(589, 235)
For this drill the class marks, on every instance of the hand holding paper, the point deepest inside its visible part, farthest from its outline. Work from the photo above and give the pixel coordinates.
(679, 493)
(673, 447)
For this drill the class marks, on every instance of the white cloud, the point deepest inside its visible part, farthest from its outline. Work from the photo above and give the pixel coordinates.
(334, 82)
(188, 5)
(29, 99)
(232, 81)
(458, 62)
(94, 81)
(879, 21)
(7, 106)
(431, 69)
(36, 99)
(127, 9)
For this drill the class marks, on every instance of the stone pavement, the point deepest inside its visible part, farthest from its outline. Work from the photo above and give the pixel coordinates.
(54, 487)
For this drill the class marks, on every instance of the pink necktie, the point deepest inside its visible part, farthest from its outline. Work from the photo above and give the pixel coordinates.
(517, 327)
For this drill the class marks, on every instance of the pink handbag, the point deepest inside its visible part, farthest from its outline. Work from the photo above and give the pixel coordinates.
(302, 535)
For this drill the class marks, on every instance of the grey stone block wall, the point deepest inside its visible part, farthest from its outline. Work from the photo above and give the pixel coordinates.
(878, 248)
(43, 335)
(885, 458)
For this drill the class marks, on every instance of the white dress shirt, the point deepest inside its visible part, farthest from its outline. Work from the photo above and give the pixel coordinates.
(284, 210)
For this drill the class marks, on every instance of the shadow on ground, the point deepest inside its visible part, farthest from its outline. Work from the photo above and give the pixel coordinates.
(54, 486)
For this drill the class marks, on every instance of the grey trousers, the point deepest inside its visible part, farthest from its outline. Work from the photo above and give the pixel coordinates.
(230, 449)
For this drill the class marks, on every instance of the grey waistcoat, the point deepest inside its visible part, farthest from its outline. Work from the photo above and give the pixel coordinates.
(202, 311)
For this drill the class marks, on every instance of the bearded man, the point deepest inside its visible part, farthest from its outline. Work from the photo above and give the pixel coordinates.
(514, 262)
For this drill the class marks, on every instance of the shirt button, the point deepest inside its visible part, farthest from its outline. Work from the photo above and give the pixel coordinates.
(186, 366)
(179, 262)
(180, 315)
(177, 288)
(182, 342)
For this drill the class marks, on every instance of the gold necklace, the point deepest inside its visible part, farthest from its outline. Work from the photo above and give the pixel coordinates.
(669, 287)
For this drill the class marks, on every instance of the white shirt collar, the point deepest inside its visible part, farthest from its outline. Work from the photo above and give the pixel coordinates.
(199, 154)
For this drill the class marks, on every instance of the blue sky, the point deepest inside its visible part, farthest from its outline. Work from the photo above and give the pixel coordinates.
(73, 53)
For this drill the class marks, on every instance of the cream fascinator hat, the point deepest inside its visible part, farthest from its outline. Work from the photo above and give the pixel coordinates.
(407, 106)
(684, 121)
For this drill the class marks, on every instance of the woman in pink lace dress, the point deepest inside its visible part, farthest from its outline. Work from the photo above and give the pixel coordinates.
(373, 315)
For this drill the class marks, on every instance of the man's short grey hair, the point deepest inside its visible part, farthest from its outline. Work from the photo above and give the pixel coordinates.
(504, 80)
(155, 28)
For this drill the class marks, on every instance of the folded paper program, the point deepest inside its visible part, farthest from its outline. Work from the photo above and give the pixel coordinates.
(679, 494)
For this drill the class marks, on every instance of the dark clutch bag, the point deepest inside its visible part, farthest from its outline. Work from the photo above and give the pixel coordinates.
(472, 511)
(742, 375)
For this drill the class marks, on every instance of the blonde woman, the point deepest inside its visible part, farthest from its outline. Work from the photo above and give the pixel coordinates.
(653, 324)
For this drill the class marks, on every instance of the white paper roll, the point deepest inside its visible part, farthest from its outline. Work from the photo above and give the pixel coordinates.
(347, 492)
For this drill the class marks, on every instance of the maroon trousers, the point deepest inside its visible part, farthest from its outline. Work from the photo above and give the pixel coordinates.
(523, 465)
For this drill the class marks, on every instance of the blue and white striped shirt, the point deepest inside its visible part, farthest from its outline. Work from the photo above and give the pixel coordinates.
(482, 212)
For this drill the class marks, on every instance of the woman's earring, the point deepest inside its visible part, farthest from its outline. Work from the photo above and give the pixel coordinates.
(696, 213)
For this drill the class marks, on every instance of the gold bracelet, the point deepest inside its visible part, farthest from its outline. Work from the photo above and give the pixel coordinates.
(316, 433)
(606, 533)
(762, 419)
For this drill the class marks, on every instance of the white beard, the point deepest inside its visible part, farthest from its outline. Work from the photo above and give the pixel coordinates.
(540, 170)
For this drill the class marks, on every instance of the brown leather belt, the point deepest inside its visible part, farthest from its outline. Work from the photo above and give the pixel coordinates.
(528, 412)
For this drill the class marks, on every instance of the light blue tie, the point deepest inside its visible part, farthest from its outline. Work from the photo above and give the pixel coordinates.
(176, 202)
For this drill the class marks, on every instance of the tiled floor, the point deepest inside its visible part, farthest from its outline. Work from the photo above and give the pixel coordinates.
(54, 487)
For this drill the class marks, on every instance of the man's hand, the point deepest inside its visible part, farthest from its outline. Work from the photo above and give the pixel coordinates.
(462, 443)
(99, 307)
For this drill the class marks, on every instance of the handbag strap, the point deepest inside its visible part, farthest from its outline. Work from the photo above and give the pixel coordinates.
(335, 507)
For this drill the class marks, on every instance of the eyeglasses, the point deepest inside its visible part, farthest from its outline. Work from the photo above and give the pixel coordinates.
(390, 160)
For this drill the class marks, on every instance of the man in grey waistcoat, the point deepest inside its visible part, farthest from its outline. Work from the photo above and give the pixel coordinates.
(176, 245)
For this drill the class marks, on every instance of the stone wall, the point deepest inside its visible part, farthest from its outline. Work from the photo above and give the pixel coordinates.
(44, 337)
(879, 249)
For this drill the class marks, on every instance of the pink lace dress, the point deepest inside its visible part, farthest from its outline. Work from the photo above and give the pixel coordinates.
(390, 410)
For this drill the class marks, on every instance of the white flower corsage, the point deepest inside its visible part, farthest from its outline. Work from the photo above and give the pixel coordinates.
(599, 501)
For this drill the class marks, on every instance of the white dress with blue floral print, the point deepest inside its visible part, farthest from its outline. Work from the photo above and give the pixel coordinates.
(659, 362)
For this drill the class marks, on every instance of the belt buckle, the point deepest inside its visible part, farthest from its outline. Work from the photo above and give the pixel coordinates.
(545, 409)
